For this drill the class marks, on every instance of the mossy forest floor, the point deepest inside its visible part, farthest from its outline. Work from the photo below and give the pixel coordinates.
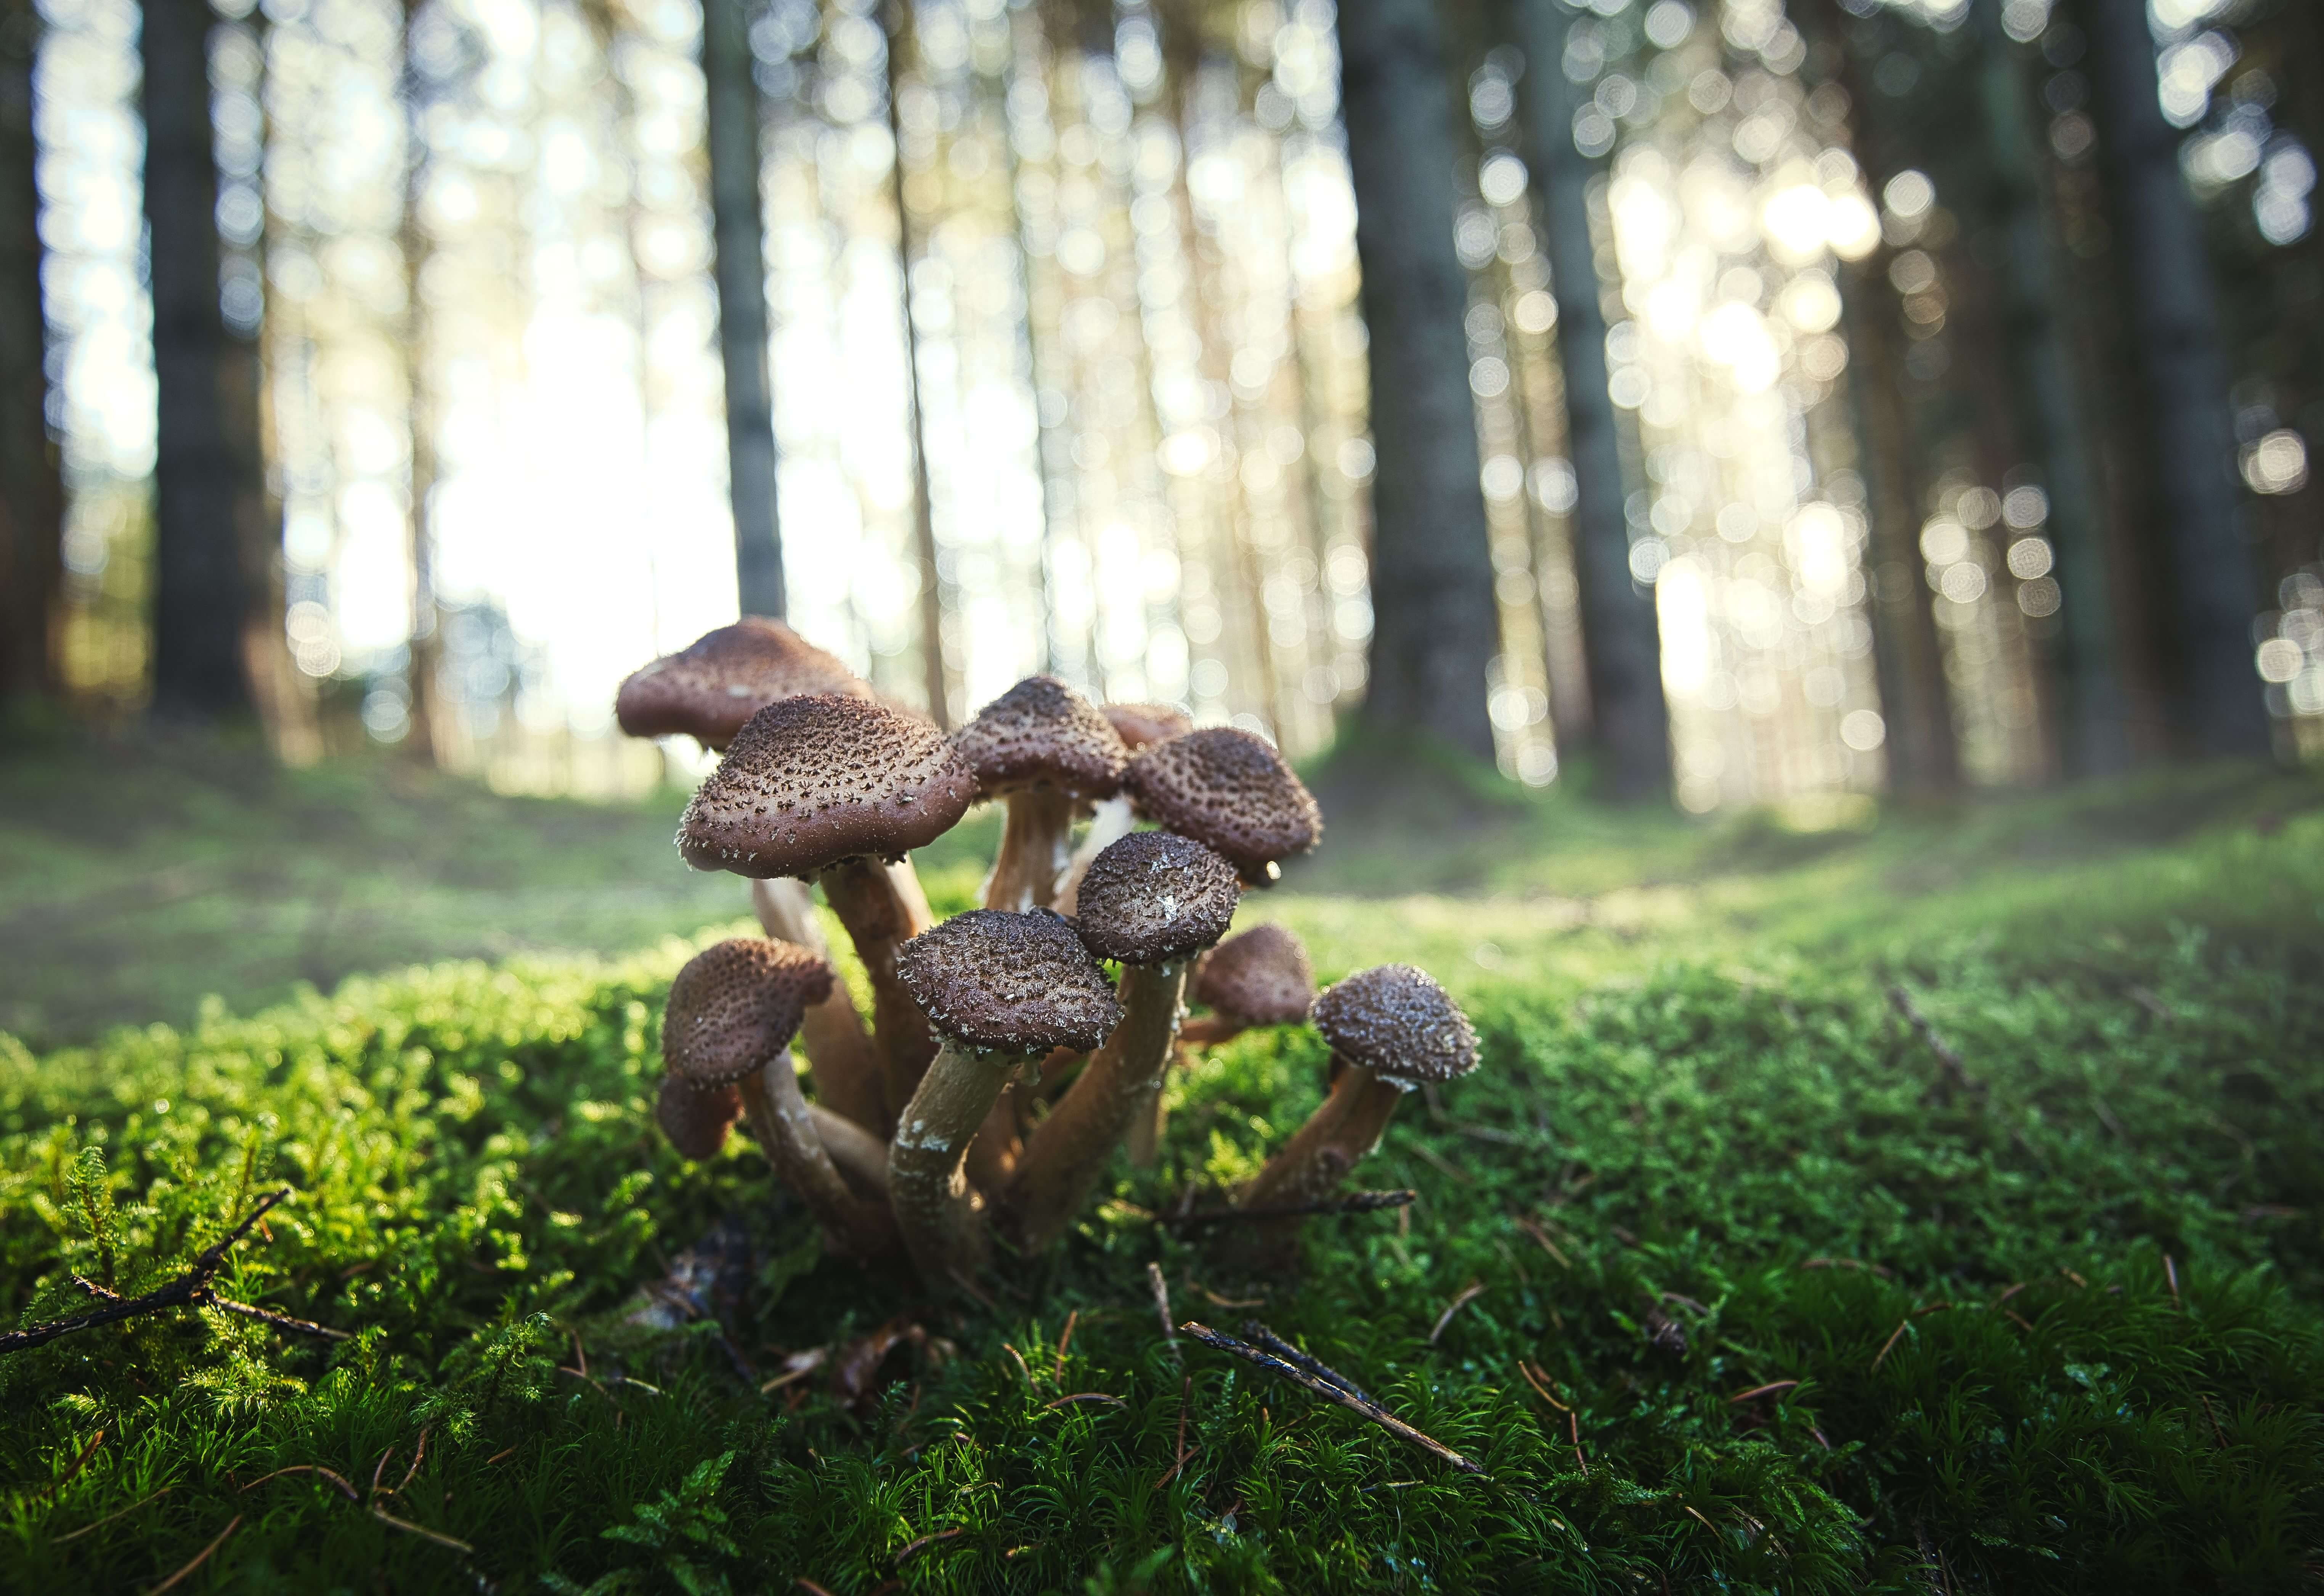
(1727, 1280)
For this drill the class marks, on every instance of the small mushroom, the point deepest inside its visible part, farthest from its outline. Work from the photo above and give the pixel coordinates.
(732, 1011)
(1002, 990)
(1046, 752)
(831, 788)
(708, 689)
(1139, 725)
(1152, 900)
(840, 1057)
(695, 1119)
(1392, 1029)
(1255, 978)
(1230, 791)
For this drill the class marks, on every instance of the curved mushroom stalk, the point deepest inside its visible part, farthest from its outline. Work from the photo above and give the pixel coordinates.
(1036, 842)
(786, 1129)
(1068, 1151)
(882, 908)
(839, 1055)
(939, 1215)
(862, 1157)
(1344, 1128)
(1112, 820)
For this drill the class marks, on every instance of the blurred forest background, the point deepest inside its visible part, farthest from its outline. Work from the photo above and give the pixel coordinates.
(1752, 401)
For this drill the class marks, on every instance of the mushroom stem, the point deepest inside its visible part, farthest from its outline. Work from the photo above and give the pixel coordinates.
(1033, 850)
(927, 1182)
(1068, 1151)
(883, 908)
(993, 1155)
(862, 1157)
(787, 1134)
(839, 1056)
(1144, 1141)
(1110, 822)
(1209, 1029)
(1344, 1126)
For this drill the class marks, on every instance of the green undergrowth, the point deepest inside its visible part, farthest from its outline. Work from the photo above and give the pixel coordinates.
(1807, 1313)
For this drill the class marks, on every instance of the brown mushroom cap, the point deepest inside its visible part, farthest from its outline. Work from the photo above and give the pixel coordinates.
(1140, 724)
(1012, 982)
(1397, 1022)
(1154, 897)
(814, 781)
(708, 689)
(1258, 977)
(696, 1119)
(1041, 733)
(1230, 791)
(736, 1005)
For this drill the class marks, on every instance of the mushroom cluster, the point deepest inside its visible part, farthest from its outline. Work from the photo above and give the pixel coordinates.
(1001, 1064)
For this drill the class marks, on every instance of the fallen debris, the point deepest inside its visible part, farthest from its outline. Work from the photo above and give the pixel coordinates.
(1331, 1388)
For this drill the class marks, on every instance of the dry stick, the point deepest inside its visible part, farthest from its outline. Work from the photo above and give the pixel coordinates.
(1084, 1396)
(191, 1289)
(1185, 1389)
(201, 1557)
(79, 1464)
(1768, 1390)
(1354, 1202)
(1330, 1393)
(1469, 1293)
(914, 1548)
(109, 1518)
(1902, 1001)
(1261, 1336)
(2171, 1274)
(1161, 1289)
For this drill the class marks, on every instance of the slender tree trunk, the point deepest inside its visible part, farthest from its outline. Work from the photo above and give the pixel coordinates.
(937, 678)
(32, 499)
(739, 261)
(1622, 639)
(209, 490)
(424, 642)
(2215, 697)
(2092, 717)
(1434, 620)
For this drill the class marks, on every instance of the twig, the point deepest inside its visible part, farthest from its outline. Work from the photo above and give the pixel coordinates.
(1845, 1263)
(1540, 1384)
(2217, 1433)
(1354, 1202)
(1259, 1335)
(1084, 1396)
(1540, 1233)
(1902, 1001)
(1185, 1389)
(203, 1555)
(2171, 1274)
(425, 1534)
(1066, 1340)
(1329, 1392)
(1160, 1287)
(109, 1518)
(1469, 1293)
(79, 1464)
(1902, 1326)
(346, 1487)
(1770, 1389)
(914, 1548)
(191, 1289)
(417, 1455)
(269, 1316)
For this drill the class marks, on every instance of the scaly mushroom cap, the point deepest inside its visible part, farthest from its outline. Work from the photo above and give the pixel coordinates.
(1398, 1023)
(736, 1005)
(814, 781)
(1230, 791)
(696, 1119)
(708, 689)
(1154, 897)
(1258, 977)
(1040, 732)
(1010, 983)
(1140, 724)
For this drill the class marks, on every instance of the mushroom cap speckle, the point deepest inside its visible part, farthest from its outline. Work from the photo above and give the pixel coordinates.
(708, 689)
(1154, 897)
(1258, 977)
(1010, 983)
(696, 1119)
(814, 781)
(736, 1005)
(1139, 724)
(1041, 733)
(1397, 1022)
(1230, 790)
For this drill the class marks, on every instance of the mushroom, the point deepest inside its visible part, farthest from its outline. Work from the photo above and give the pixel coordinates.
(1045, 750)
(830, 787)
(1258, 977)
(1391, 1030)
(1002, 989)
(1138, 726)
(1152, 900)
(1230, 791)
(695, 1119)
(732, 1011)
(708, 689)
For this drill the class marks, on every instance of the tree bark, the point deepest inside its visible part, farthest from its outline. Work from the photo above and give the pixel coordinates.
(424, 644)
(2092, 720)
(1435, 622)
(31, 498)
(209, 476)
(2214, 695)
(739, 261)
(1621, 637)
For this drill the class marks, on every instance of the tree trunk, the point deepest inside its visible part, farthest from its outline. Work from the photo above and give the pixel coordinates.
(32, 499)
(209, 487)
(2214, 694)
(424, 644)
(2092, 715)
(1622, 639)
(739, 261)
(1434, 622)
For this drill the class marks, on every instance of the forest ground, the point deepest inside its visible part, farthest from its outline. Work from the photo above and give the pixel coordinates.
(1729, 1272)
